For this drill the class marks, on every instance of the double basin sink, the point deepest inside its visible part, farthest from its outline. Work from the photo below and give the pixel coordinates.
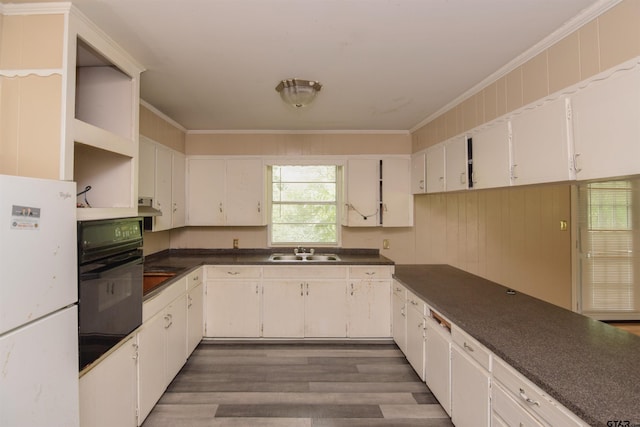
(302, 257)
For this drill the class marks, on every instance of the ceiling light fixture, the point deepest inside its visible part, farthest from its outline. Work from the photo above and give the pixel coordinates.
(298, 92)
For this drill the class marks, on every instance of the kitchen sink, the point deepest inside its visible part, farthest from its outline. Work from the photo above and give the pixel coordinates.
(302, 257)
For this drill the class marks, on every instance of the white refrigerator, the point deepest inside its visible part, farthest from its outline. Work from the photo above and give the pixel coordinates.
(38, 297)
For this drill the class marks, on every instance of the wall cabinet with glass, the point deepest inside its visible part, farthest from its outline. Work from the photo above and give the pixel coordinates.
(224, 191)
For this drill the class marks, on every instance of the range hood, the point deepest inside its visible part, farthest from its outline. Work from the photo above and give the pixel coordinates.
(145, 207)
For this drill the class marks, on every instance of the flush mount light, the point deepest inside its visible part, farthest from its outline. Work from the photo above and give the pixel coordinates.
(298, 92)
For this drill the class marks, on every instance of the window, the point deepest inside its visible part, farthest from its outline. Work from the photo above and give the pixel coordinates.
(608, 232)
(304, 204)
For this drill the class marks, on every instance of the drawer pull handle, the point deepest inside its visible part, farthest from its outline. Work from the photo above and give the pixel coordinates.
(527, 399)
(233, 273)
(370, 273)
(468, 347)
(413, 302)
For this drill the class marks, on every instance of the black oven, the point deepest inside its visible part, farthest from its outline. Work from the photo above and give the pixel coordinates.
(110, 276)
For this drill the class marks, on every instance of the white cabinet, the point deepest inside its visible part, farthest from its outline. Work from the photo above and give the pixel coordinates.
(108, 392)
(369, 301)
(456, 164)
(606, 129)
(162, 197)
(195, 309)
(325, 308)
(399, 307)
(540, 144)
(437, 364)
(176, 326)
(362, 193)
(233, 301)
(225, 192)
(418, 172)
(178, 190)
(470, 381)
(397, 200)
(415, 333)
(491, 156)
(378, 192)
(507, 412)
(283, 308)
(435, 168)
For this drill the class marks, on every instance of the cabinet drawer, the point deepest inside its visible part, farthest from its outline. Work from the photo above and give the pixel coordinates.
(305, 272)
(509, 411)
(371, 272)
(233, 272)
(154, 305)
(194, 278)
(531, 397)
(415, 302)
(473, 348)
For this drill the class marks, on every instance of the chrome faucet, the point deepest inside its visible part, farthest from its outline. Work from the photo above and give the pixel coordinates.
(302, 251)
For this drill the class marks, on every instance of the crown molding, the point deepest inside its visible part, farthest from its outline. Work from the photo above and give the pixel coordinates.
(300, 132)
(162, 115)
(34, 8)
(573, 24)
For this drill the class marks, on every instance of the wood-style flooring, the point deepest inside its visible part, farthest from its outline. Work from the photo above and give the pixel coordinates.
(297, 384)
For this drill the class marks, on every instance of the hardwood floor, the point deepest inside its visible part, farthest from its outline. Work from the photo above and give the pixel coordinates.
(297, 384)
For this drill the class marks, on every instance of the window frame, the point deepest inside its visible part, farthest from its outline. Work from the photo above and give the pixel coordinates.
(339, 164)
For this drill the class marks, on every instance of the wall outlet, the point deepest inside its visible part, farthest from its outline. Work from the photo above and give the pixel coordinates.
(385, 244)
(236, 243)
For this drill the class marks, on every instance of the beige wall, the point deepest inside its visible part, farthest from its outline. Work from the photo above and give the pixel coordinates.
(511, 236)
(608, 40)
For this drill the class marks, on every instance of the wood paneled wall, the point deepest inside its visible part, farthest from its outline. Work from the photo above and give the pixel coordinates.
(511, 236)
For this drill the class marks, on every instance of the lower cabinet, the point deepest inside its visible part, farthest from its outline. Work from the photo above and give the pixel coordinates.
(415, 334)
(108, 392)
(325, 309)
(283, 309)
(437, 372)
(369, 302)
(195, 311)
(233, 309)
(399, 317)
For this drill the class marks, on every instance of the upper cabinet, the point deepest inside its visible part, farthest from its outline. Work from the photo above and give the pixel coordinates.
(491, 156)
(456, 164)
(418, 172)
(540, 144)
(435, 168)
(606, 126)
(397, 201)
(70, 106)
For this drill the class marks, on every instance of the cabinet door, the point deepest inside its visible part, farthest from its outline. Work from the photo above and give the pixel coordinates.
(151, 364)
(146, 168)
(362, 193)
(418, 173)
(178, 176)
(325, 309)
(369, 309)
(415, 340)
(456, 165)
(606, 128)
(469, 391)
(491, 157)
(435, 168)
(508, 411)
(283, 309)
(245, 181)
(399, 317)
(205, 191)
(176, 327)
(195, 306)
(233, 309)
(437, 366)
(540, 144)
(108, 392)
(397, 200)
(162, 200)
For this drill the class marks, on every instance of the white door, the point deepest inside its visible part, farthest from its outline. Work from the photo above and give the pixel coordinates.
(233, 309)
(176, 327)
(362, 193)
(325, 309)
(146, 168)
(435, 168)
(245, 184)
(205, 191)
(606, 129)
(491, 156)
(399, 317)
(195, 310)
(151, 363)
(108, 392)
(540, 144)
(369, 308)
(415, 340)
(418, 173)
(397, 200)
(178, 197)
(163, 198)
(469, 391)
(456, 165)
(283, 308)
(39, 372)
(437, 372)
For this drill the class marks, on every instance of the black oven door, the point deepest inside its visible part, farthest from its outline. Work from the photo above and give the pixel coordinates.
(110, 303)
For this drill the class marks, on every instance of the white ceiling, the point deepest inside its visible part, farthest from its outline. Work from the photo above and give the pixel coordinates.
(383, 64)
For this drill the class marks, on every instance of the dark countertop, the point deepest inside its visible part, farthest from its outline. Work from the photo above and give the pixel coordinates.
(590, 367)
